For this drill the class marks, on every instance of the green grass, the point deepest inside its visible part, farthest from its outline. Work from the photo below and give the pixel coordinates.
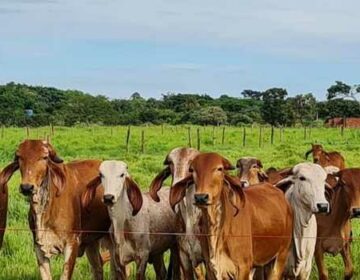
(17, 258)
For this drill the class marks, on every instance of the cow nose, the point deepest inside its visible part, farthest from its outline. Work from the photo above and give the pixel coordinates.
(356, 212)
(26, 189)
(201, 198)
(244, 183)
(322, 207)
(108, 199)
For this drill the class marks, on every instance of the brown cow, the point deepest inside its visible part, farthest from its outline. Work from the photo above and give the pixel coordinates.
(56, 216)
(334, 230)
(250, 172)
(242, 228)
(325, 158)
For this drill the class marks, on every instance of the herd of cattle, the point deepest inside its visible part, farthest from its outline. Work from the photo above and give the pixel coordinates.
(255, 225)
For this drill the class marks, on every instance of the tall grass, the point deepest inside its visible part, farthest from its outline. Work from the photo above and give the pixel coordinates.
(17, 258)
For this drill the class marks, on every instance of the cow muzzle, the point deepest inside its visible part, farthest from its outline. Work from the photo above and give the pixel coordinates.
(26, 189)
(244, 183)
(201, 199)
(322, 207)
(355, 213)
(108, 199)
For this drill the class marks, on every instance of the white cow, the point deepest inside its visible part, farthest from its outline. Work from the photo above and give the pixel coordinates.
(134, 215)
(306, 195)
(177, 164)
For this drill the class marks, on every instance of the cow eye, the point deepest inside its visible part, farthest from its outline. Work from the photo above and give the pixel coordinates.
(46, 157)
(122, 175)
(191, 170)
(220, 169)
(101, 175)
(302, 178)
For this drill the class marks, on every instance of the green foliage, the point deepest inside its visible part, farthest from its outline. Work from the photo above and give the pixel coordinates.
(72, 107)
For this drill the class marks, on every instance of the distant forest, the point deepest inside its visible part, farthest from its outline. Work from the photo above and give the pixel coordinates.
(73, 107)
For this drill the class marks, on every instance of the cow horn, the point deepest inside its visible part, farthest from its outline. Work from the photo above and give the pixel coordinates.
(307, 154)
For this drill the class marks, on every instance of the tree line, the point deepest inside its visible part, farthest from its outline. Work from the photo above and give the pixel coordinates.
(22, 105)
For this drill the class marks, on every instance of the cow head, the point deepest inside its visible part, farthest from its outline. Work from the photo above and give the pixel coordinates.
(38, 163)
(208, 172)
(250, 171)
(349, 180)
(177, 164)
(114, 176)
(317, 152)
(306, 184)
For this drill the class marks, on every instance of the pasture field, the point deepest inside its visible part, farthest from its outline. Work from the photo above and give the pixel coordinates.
(17, 259)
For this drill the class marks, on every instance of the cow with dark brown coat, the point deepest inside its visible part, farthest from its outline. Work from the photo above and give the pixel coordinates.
(241, 228)
(320, 156)
(56, 217)
(334, 230)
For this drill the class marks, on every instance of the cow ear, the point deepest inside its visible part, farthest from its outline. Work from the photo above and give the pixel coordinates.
(262, 175)
(285, 184)
(6, 174)
(52, 154)
(157, 183)
(90, 192)
(134, 194)
(259, 163)
(227, 164)
(235, 186)
(57, 177)
(178, 191)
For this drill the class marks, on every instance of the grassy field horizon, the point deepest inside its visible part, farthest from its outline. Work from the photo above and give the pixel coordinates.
(145, 160)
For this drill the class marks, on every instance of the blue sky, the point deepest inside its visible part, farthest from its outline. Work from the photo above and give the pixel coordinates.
(115, 47)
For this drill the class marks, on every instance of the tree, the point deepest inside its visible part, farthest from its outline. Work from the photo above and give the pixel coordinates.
(273, 110)
(252, 94)
(213, 115)
(303, 108)
(342, 90)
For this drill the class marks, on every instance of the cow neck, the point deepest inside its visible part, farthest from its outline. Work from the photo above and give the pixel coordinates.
(338, 201)
(42, 201)
(302, 214)
(214, 217)
(120, 213)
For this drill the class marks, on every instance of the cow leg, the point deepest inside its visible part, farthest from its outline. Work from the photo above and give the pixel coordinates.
(320, 263)
(159, 267)
(244, 273)
(43, 263)
(199, 272)
(141, 267)
(186, 267)
(346, 256)
(70, 252)
(279, 265)
(93, 254)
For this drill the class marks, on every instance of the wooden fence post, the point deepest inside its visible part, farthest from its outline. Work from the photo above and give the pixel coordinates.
(189, 136)
(244, 136)
(162, 128)
(52, 130)
(2, 131)
(142, 141)
(111, 131)
(260, 136)
(304, 132)
(127, 139)
(213, 136)
(198, 138)
(281, 134)
(27, 132)
(272, 135)
(223, 136)
(342, 131)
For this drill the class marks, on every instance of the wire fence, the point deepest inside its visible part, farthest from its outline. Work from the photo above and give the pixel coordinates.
(13, 229)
